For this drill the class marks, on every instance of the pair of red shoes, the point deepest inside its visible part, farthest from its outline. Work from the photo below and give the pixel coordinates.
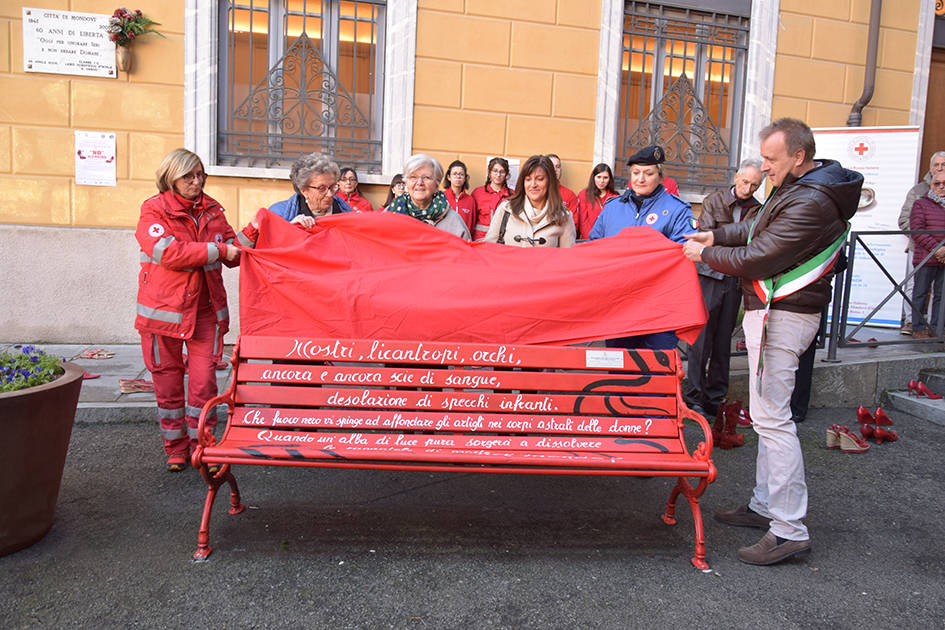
(871, 426)
(841, 437)
(919, 389)
(729, 416)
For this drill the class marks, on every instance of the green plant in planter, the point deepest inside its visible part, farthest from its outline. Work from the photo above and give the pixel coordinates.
(27, 366)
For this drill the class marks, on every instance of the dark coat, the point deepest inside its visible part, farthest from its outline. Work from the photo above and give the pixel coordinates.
(718, 209)
(800, 219)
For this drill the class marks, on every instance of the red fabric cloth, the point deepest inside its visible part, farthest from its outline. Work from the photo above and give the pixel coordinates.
(389, 276)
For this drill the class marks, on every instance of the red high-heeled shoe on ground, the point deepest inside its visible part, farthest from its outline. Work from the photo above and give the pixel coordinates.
(883, 435)
(851, 442)
(913, 388)
(867, 430)
(923, 390)
(863, 415)
(881, 418)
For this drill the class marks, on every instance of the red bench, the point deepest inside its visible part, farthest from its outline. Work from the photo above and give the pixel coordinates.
(455, 407)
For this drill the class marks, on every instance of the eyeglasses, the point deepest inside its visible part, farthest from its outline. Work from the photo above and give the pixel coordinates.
(425, 179)
(193, 176)
(321, 190)
(350, 179)
(938, 184)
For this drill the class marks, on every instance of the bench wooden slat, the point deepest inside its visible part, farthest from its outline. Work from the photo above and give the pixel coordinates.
(455, 401)
(362, 375)
(358, 420)
(351, 445)
(439, 353)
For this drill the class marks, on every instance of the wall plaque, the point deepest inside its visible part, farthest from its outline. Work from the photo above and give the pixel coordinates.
(66, 42)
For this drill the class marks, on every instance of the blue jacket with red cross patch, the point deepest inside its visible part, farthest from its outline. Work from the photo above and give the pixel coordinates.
(664, 212)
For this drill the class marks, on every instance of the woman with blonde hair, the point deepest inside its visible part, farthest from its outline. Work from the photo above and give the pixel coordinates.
(184, 238)
(534, 215)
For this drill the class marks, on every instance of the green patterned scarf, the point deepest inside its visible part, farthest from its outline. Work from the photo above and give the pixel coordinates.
(437, 209)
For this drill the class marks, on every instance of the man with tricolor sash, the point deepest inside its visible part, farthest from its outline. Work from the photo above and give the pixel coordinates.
(785, 257)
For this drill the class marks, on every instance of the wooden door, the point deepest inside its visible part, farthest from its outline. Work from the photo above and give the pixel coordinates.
(933, 139)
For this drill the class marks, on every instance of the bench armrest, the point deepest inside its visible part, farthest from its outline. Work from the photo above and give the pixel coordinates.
(685, 413)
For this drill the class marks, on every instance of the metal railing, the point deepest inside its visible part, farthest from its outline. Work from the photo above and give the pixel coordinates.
(843, 287)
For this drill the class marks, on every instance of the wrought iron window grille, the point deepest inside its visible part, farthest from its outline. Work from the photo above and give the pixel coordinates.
(682, 87)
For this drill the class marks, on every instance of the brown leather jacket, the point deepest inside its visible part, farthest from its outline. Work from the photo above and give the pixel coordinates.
(718, 209)
(800, 218)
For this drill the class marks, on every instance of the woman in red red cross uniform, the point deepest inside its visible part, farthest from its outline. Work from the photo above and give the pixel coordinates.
(184, 239)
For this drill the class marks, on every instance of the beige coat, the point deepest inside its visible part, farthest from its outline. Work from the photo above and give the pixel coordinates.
(555, 235)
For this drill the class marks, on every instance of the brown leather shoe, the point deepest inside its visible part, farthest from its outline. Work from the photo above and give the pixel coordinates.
(767, 550)
(742, 517)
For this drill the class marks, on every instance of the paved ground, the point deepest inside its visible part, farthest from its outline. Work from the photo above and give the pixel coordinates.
(370, 549)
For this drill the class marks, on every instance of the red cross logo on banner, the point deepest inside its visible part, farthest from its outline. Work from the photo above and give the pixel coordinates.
(862, 149)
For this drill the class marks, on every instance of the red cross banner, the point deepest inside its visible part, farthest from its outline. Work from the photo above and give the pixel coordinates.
(886, 156)
(380, 275)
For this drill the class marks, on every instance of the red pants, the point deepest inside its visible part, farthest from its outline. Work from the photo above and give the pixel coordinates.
(163, 356)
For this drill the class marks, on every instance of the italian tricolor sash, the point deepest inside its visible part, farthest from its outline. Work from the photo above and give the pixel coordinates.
(770, 290)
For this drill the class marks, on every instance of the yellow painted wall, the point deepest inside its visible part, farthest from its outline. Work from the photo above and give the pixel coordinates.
(507, 78)
(492, 78)
(145, 108)
(821, 57)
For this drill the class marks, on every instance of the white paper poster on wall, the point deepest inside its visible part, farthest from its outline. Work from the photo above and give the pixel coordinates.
(67, 42)
(886, 156)
(95, 158)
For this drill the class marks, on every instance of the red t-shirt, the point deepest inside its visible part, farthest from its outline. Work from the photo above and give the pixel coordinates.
(465, 207)
(487, 200)
(589, 211)
(356, 201)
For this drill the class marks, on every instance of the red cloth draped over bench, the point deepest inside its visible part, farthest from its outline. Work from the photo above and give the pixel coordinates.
(388, 276)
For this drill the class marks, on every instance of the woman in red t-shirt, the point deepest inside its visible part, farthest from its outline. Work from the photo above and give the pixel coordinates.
(490, 195)
(455, 185)
(348, 191)
(600, 189)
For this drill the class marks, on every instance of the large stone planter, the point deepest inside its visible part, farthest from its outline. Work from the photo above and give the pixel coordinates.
(35, 426)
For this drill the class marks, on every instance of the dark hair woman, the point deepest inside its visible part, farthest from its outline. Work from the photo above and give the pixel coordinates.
(600, 189)
(349, 192)
(490, 195)
(184, 238)
(455, 185)
(396, 189)
(534, 215)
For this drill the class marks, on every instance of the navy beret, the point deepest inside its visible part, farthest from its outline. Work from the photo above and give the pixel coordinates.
(652, 154)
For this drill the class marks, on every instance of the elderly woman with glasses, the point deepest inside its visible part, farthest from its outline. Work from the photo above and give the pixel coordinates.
(315, 180)
(184, 238)
(423, 201)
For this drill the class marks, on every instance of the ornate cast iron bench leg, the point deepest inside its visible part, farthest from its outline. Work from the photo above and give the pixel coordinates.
(669, 516)
(213, 485)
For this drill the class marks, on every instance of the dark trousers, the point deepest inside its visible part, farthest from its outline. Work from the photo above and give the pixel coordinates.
(653, 341)
(927, 278)
(709, 357)
(803, 378)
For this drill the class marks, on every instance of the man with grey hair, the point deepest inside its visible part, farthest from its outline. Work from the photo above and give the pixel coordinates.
(936, 165)
(710, 355)
(314, 178)
(785, 257)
